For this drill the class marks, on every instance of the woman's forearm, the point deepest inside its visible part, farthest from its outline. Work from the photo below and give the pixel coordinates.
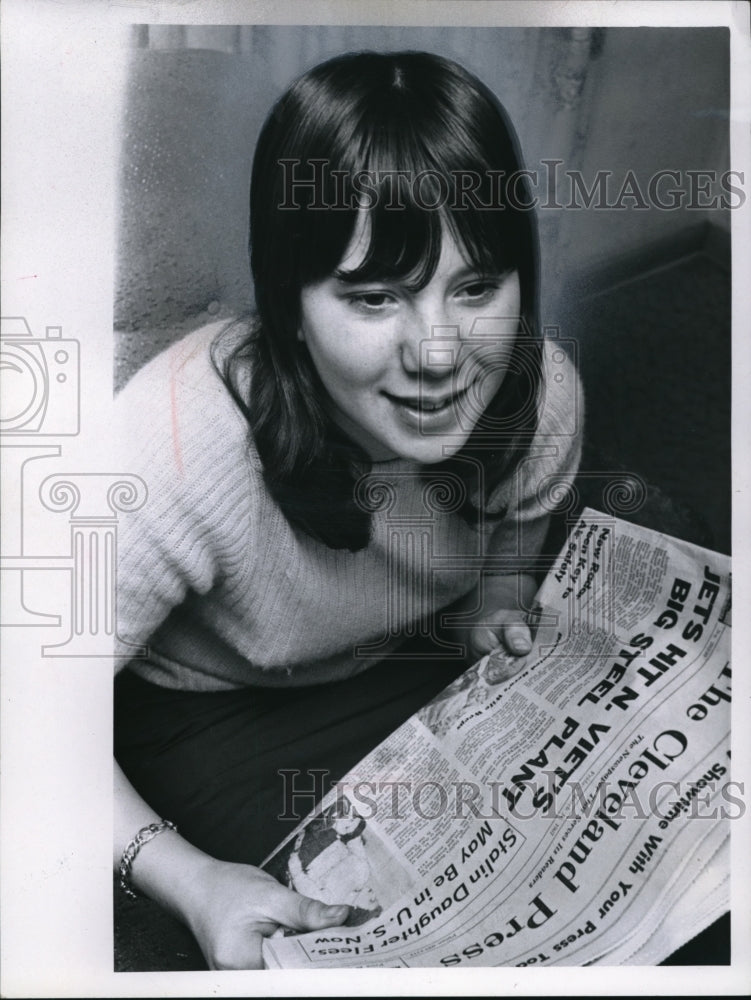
(229, 907)
(167, 867)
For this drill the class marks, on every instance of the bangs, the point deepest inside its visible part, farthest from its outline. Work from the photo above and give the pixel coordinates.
(415, 143)
(404, 244)
(407, 211)
(418, 173)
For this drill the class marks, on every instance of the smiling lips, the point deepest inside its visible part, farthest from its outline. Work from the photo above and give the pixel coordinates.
(426, 415)
(424, 404)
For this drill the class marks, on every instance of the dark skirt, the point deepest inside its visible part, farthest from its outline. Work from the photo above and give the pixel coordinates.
(234, 768)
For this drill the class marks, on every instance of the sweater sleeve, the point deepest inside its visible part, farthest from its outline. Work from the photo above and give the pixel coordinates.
(553, 460)
(178, 430)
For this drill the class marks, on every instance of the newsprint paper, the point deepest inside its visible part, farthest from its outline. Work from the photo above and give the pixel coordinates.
(575, 813)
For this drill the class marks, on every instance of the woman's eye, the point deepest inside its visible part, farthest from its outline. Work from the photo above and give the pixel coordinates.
(370, 301)
(479, 291)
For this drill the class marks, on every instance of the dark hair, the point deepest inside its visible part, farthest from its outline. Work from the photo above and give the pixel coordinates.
(372, 112)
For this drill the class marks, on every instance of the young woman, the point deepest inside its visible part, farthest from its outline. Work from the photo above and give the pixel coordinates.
(328, 480)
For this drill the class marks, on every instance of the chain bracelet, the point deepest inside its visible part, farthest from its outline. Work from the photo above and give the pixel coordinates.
(144, 835)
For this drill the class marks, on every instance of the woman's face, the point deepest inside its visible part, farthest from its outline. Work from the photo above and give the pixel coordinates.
(408, 373)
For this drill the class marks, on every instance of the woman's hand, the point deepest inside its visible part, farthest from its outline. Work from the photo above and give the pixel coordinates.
(229, 908)
(239, 905)
(503, 628)
(504, 603)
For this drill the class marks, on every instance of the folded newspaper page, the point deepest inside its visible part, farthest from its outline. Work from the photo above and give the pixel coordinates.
(574, 813)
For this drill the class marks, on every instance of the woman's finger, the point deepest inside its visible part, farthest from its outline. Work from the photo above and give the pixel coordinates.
(514, 636)
(483, 640)
(517, 638)
(301, 913)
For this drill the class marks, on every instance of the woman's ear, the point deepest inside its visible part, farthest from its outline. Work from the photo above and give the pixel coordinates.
(300, 335)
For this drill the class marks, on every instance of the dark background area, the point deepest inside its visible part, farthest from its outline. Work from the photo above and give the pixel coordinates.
(643, 295)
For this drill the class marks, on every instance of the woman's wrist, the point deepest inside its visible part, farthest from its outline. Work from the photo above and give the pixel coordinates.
(170, 870)
(144, 835)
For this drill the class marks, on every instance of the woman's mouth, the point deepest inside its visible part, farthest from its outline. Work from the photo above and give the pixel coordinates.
(430, 404)
(424, 412)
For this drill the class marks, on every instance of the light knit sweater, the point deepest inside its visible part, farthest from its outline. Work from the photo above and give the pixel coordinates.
(227, 594)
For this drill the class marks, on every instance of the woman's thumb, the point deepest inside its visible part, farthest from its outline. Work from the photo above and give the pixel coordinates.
(301, 913)
(315, 915)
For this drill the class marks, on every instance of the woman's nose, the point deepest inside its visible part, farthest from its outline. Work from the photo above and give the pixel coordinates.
(429, 344)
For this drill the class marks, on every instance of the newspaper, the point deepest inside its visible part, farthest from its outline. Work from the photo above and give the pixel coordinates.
(574, 813)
